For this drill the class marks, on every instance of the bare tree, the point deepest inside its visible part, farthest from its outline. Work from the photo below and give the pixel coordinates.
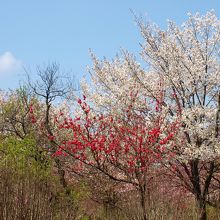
(52, 85)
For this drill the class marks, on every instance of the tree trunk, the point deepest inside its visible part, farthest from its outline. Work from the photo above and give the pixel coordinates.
(61, 173)
(143, 204)
(199, 195)
(202, 214)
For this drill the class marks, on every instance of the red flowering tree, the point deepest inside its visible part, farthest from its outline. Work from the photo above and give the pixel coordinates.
(126, 147)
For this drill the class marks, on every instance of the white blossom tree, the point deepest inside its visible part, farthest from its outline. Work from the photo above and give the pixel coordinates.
(185, 61)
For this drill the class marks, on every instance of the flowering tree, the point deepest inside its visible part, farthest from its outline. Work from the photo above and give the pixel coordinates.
(127, 147)
(14, 113)
(187, 61)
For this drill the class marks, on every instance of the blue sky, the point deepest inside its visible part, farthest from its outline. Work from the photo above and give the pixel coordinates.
(41, 31)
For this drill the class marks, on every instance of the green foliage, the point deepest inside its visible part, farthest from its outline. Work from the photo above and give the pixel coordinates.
(25, 157)
(29, 185)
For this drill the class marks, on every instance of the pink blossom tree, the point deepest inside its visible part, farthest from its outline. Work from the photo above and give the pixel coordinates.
(127, 148)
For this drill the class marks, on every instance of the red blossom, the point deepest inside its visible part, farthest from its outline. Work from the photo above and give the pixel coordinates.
(124, 143)
(31, 109)
(51, 137)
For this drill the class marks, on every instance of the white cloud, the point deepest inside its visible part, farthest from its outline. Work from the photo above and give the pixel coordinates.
(9, 63)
